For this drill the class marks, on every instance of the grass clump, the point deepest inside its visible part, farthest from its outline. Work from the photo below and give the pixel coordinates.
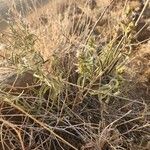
(71, 97)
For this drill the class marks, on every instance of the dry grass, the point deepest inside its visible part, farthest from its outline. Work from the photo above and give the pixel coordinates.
(68, 75)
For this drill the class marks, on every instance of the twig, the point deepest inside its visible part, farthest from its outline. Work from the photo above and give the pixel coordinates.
(137, 21)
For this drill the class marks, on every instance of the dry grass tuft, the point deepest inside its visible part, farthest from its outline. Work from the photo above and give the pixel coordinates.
(65, 72)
